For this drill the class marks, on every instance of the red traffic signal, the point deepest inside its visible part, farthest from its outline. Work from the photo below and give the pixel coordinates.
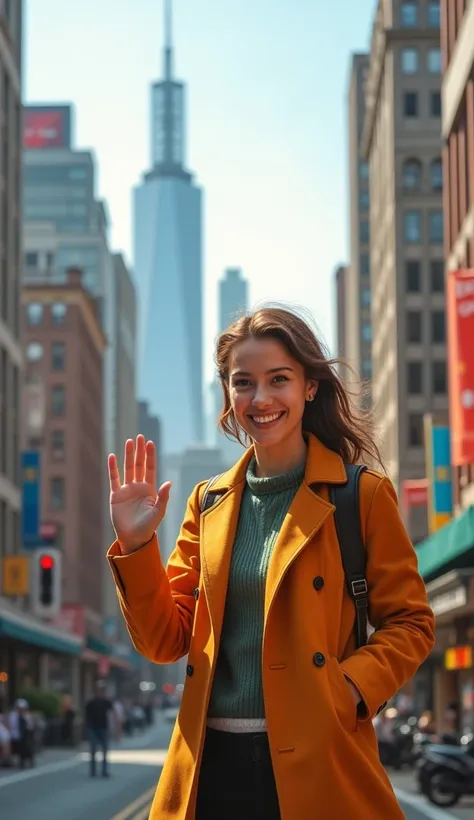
(46, 562)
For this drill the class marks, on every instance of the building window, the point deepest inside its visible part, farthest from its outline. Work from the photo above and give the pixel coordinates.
(437, 275)
(58, 313)
(414, 327)
(412, 175)
(367, 368)
(436, 227)
(364, 170)
(409, 15)
(58, 356)
(413, 276)
(364, 232)
(415, 430)
(364, 200)
(434, 61)
(57, 444)
(439, 378)
(436, 175)
(58, 493)
(58, 400)
(364, 264)
(433, 14)
(435, 104)
(367, 332)
(415, 378)
(438, 327)
(34, 312)
(410, 103)
(365, 297)
(412, 226)
(410, 60)
(34, 352)
(31, 259)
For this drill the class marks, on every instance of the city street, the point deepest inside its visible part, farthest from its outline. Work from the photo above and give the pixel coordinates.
(59, 786)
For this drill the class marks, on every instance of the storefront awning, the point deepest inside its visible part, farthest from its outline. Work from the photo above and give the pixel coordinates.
(22, 627)
(452, 547)
(97, 645)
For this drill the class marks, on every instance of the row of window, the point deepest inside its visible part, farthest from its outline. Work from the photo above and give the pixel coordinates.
(414, 277)
(35, 351)
(412, 174)
(410, 14)
(413, 226)
(414, 327)
(35, 313)
(411, 104)
(416, 377)
(410, 61)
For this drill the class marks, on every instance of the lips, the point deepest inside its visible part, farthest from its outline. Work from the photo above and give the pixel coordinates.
(267, 419)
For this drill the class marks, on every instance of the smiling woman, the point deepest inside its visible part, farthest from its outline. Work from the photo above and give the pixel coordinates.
(276, 714)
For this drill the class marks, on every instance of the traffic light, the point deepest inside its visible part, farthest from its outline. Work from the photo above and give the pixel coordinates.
(46, 582)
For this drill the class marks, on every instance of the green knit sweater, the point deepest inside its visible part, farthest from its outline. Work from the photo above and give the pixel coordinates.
(237, 690)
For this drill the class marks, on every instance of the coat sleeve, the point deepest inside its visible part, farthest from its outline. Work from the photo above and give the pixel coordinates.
(399, 611)
(157, 602)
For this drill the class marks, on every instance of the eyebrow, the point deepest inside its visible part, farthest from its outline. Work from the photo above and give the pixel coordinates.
(268, 373)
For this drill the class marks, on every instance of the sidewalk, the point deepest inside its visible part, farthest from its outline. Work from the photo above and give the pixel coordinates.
(405, 781)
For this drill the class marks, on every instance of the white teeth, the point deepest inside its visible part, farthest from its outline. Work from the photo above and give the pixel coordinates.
(266, 419)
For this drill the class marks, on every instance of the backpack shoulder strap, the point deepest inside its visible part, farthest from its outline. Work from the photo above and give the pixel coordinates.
(210, 496)
(345, 498)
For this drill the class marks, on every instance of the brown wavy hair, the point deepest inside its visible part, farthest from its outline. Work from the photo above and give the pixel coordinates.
(333, 416)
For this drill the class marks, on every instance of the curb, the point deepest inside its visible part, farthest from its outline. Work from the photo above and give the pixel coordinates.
(420, 804)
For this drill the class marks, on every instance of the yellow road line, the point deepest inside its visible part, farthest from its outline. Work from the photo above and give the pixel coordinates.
(144, 800)
(144, 814)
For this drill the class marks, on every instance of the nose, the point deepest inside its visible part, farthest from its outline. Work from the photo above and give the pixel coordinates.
(261, 397)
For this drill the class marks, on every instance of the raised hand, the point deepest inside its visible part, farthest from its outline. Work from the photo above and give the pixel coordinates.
(136, 507)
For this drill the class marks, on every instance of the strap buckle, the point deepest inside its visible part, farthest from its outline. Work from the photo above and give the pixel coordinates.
(359, 588)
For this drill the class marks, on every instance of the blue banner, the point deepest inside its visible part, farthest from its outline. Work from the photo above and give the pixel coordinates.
(30, 479)
(442, 490)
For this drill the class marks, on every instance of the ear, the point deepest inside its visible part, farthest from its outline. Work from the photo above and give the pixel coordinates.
(311, 389)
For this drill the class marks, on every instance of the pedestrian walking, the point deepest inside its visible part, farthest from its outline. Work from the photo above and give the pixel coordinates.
(98, 713)
(22, 733)
(282, 684)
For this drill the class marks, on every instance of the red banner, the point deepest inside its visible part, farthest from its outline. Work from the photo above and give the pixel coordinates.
(460, 321)
(414, 493)
(44, 129)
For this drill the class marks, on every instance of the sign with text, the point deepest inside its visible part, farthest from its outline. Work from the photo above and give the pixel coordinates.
(460, 316)
(46, 126)
(438, 471)
(16, 575)
(30, 479)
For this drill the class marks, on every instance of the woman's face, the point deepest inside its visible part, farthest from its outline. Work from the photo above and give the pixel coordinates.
(268, 390)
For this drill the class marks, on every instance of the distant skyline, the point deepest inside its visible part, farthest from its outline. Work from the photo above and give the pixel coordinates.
(266, 134)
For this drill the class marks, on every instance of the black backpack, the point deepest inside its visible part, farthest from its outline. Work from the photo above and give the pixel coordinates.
(345, 498)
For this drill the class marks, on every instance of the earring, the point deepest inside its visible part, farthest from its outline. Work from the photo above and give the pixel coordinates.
(310, 397)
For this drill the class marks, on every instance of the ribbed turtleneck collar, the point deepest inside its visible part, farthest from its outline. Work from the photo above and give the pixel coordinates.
(276, 483)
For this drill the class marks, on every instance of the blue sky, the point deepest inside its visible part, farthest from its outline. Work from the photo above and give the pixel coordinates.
(267, 87)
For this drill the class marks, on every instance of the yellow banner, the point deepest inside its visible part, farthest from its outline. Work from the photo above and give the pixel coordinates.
(16, 575)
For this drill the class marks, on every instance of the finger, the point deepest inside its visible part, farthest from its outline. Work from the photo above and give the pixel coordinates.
(114, 475)
(140, 458)
(128, 461)
(163, 495)
(150, 463)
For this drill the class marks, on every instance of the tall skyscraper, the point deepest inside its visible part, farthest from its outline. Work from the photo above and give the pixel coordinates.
(358, 330)
(168, 266)
(233, 296)
(340, 282)
(402, 143)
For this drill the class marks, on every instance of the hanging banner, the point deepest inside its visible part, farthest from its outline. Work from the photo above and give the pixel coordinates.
(460, 322)
(30, 479)
(438, 472)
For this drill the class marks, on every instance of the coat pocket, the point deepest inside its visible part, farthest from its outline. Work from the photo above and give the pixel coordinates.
(342, 697)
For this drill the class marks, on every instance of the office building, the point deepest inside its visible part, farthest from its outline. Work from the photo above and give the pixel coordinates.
(10, 247)
(358, 342)
(167, 209)
(402, 144)
(233, 297)
(341, 276)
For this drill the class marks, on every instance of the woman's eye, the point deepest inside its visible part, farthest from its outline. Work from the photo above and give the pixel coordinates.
(241, 383)
(280, 378)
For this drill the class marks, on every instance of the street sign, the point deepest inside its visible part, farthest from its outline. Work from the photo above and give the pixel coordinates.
(16, 575)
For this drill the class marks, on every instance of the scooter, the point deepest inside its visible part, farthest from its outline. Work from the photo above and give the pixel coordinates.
(446, 773)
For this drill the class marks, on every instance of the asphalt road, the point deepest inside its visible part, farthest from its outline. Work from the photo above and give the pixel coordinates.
(61, 788)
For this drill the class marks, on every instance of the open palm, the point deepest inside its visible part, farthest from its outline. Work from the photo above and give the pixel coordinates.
(136, 507)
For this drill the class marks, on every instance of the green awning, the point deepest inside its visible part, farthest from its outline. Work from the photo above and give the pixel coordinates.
(22, 628)
(452, 547)
(97, 645)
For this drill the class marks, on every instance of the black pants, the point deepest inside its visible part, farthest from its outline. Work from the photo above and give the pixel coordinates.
(236, 780)
(98, 739)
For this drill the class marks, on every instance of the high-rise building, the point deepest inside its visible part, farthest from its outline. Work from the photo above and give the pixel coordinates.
(401, 140)
(168, 267)
(340, 281)
(358, 333)
(457, 29)
(10, 247)
(233, 297)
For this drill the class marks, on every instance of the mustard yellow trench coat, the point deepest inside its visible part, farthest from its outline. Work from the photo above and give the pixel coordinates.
(324, 755)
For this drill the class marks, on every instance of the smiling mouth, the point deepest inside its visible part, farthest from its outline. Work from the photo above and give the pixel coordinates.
(268, 419)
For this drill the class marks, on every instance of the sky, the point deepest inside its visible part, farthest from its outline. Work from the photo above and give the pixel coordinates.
(267, 88)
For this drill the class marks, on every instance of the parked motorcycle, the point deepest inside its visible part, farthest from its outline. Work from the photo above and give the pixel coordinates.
(446, 772)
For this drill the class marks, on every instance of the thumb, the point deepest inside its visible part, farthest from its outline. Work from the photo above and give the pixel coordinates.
(163, 496)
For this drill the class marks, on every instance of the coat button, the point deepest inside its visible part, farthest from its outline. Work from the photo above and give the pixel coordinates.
(319, 659)
(196, 593)
(318, 582)
(190, 670)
